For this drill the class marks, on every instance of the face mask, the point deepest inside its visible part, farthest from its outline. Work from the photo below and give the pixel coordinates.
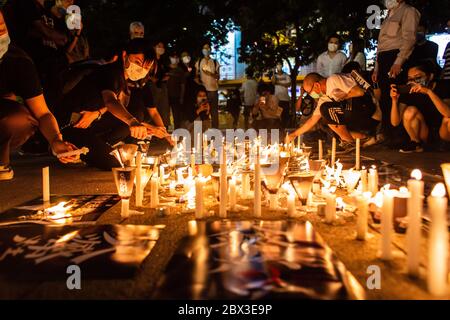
(391, 4)
(136, 72)
(174, 60)
(315, 96)
(206, 52)
(160, 51)
(332, 47)
(4, 44)
(422, 81)
(186, 59)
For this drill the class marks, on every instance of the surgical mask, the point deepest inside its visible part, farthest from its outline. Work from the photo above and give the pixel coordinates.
(332, 47)
(186, 59)
(160, 51)
(391, 4)
(174, 61)
(206, 52)
(315, 95)
(136, 72)
(422, 81)
(4, 44)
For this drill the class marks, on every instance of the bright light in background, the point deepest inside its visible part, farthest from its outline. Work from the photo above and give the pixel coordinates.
(441, 39)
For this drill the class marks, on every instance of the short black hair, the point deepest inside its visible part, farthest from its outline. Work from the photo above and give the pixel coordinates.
(335, 35)
(425, 66)
(263, 87)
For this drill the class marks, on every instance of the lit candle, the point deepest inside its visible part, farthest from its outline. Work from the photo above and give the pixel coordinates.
(139, 189)
(172, 186)
(386, 224)
(373, 180)
(351, 179)
(364, 183)
(162, 173)
(46, 184)
(199, 202)
(358, 154)
(299, 142)
(245, 185)
(154, 196)
(413, 234)
(437, 278)
(291, 210)
(223, 183)
(257, 197)
(193, 160)
(363, 216)
(333, 152)
(330, 210)
(320, 150)
(205, 149)
(125, 212)
(233, 195)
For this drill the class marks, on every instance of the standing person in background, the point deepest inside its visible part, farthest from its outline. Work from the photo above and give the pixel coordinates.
(424, 50)
(137, 30)
(208, 74)
(357, 53)
(446, 57)
(77, 48)
(175, 86)
(282, 81)
(333, 60)
(159, 83)
(395, 45)
(249, 90)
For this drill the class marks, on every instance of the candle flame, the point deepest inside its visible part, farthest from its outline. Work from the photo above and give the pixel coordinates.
(416, 174)
(438, 191)
(404, 190)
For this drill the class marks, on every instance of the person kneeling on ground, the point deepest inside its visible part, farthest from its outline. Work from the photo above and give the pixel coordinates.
(345, 107)
(197, 109)
(18, 122)
(267, 110)
(424, 110)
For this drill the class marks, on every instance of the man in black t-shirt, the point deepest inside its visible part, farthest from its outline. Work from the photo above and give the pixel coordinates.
(109, 111)
(425, 111)
(18, 122)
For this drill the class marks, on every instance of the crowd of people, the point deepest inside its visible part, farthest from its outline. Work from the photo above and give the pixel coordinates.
(50, 88)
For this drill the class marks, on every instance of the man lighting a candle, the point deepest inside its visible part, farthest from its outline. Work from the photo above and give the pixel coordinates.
(18, 122)
(344, 106)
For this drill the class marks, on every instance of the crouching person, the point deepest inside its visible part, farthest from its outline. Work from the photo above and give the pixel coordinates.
(18, 122)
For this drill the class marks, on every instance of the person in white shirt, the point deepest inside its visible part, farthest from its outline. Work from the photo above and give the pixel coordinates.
(208, 75)
(137, 30)
(344, 106)
(282, 82)
(249, 90)
(333, 60)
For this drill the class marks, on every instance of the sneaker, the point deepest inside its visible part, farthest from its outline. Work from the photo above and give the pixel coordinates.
(369, 141)
(345, 147)
(411, 147)
(6, 173)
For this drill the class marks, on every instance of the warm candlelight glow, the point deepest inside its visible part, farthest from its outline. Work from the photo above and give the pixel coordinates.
(416, 174)
(438, 191)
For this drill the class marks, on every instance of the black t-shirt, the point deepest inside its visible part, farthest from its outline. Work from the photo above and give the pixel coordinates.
(427, 51)
(18, 75)
(424, 104)
(87, 94)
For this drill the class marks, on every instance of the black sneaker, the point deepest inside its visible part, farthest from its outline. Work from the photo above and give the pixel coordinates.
(411, 147)
(345, 147)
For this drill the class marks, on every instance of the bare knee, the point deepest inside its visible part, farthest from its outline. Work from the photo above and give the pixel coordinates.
(444, 132)
(410, 114)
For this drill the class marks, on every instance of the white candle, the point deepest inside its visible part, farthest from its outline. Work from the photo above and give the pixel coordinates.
(320, 150)
(205, 149)
(330, 210)
(154, 196)
(257, 197)
(46, 184)
(363, 216)
(364, 182)
(193, 160)
(373, 180)
(162, 173)
(414, 232)
(172, 188)
(245, 185)
(125, 212)
(223, 184)
(233, 194)
(358, 154)
(437, 276)
(333, 152)
(291, 210)
(139, 189)
(386, 224)
(299, 142)
(199, 202)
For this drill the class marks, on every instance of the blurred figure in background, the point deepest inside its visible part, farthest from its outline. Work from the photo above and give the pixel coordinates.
(249, 90)
(175, 87)
(333, 60)
(282, 81)
(424, 50)
(357, 53)
(137, 30)
(267, 110)
(159, 83)
(234, 104)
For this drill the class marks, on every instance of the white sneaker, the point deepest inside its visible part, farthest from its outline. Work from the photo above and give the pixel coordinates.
(6, 173)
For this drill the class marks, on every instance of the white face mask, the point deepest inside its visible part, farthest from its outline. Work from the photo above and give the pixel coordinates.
(4, 44)
(332, 47)
(160, 51)
(174, 60)
(391, 4)
(136, 72)
(186, 59)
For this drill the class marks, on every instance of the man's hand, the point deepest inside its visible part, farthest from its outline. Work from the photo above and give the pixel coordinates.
(375, 76)
(137, 130)
(418, 88)
(395, 70)
(87, 118)
(159, 132)
(59, 146)
(203, 107)
(394, 93)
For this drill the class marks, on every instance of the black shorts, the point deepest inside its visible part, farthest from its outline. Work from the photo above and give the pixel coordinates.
(9, 107)
(355, 113)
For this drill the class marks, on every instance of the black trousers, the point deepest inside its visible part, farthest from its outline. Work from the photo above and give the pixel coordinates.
(385, 61)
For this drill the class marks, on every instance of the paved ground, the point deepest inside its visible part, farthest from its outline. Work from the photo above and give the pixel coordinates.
(81, 180)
